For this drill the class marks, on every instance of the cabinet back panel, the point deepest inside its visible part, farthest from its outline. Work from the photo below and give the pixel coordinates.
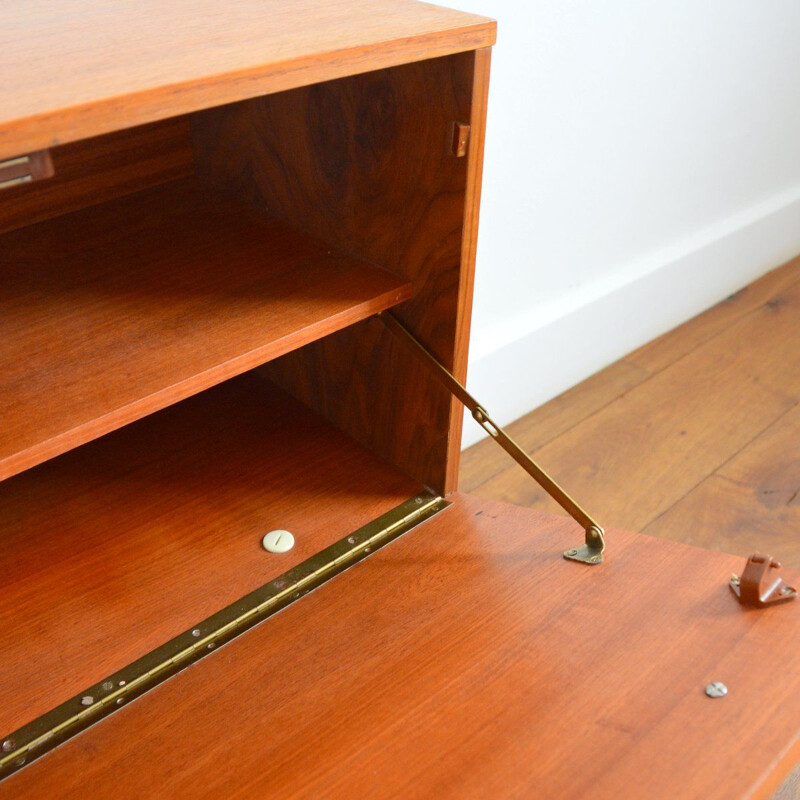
(366, 163)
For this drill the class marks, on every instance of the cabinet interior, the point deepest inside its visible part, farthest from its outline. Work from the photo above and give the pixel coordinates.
(188, 359)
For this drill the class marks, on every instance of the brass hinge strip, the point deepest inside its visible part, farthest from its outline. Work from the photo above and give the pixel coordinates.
(592, 551)
(98, 701)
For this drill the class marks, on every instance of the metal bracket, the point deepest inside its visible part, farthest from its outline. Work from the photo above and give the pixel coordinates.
(759, 585)
(592, 551)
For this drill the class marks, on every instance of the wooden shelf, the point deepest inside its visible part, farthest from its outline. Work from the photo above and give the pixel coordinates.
(114, 548)
(116, 311)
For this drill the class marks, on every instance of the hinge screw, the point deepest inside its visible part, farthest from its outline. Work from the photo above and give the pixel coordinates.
(716, 689)
(87, 700)
(9, 746)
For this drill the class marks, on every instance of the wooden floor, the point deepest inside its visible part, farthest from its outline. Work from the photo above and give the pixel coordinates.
(694, 437)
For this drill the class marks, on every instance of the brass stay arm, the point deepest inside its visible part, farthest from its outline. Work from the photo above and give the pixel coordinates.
(589, 553)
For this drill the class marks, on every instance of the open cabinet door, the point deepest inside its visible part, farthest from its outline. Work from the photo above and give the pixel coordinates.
(468, 658)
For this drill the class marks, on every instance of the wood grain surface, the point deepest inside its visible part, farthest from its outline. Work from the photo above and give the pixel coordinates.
(72, 72)
(99, 169)
(470, 660)
(484, 461)
(751, 502)
(114, 548)
(116, 311)
(366, 163)
(635, 458)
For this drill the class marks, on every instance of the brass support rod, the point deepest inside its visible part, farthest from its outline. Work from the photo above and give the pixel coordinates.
(592, 551)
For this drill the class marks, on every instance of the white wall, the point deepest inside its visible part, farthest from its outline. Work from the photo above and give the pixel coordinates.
(642, 163)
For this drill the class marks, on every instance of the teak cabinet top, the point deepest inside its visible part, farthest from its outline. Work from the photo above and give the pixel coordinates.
(74, 71)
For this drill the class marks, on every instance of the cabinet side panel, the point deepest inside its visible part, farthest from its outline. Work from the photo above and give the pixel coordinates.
(469, 243)
(366, 163)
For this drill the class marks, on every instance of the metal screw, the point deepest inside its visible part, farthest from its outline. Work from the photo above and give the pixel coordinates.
(121, 683)
(9, 746)
(120, 701)
(716, 689)
(196, 633)
(571, 553)
(87, 700)
(367, 549)
(594, 559)
(351, 539)
(108, 685)
(211, 645)
(278, 541)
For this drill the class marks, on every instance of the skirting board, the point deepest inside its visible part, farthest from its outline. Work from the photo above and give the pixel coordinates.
(524, 362)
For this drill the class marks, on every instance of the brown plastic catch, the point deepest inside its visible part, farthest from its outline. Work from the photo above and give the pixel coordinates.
(760, 585)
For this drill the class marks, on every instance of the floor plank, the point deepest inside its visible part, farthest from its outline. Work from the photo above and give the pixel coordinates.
(750, 503)
(667, 349)
(720, 385)
(485, 459)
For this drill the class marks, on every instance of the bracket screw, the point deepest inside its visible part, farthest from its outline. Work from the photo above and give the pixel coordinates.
(571, 553)
(716, 689)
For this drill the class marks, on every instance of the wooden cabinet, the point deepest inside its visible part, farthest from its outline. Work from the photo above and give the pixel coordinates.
(190, 358)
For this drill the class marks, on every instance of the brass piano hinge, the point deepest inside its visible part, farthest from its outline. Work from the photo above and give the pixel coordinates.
(589, 553)
(114, 691)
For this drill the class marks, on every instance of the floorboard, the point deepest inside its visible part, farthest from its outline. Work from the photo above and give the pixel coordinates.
(693, 437)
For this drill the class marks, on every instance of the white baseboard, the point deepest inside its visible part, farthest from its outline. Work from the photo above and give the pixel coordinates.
(523, 362)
